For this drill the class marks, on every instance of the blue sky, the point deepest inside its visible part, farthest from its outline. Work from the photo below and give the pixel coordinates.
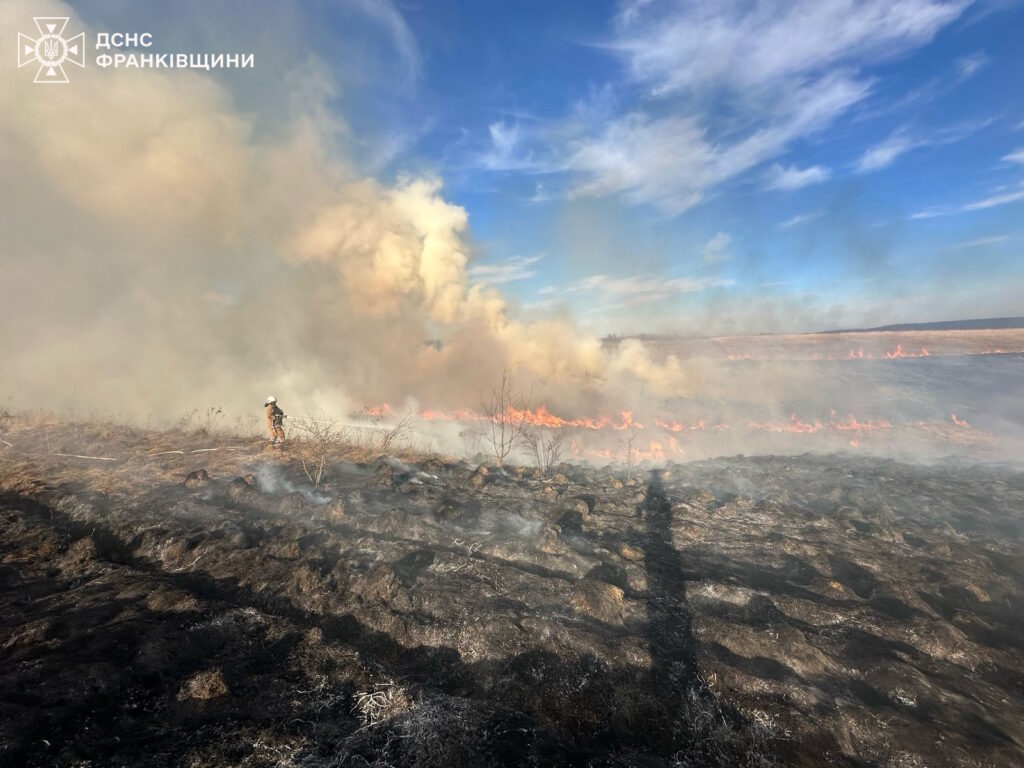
(654, 166)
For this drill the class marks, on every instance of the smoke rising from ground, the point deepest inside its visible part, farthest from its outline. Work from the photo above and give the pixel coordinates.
(167, 255)
(166, 251)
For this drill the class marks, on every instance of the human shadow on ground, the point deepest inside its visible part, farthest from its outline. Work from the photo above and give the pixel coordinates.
(537, 706)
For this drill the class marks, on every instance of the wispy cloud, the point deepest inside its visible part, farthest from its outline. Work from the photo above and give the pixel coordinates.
(935, 87)
(513, 146)
(980, 242)
(717, 248)
(800, 218)
(1000, 196)
(542, 305)
(883, 155)
(540, 194)
(386, 15)
(671, 162)
(505, 151)
(795, 178)
(968, 66)
(773, 73)
(701, 46)
(1017, 156)
(629, 291)
(507, 271)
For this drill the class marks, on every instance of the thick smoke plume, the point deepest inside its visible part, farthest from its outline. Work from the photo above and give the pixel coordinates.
(165, 251)
(162, 253)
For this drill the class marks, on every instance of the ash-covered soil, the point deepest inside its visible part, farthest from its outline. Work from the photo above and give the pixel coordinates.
(739, 612)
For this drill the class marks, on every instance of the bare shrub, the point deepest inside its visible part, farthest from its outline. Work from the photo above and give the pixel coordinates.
(544, 446)
(630, 453)
(318, 437)
(504, 418)
(249, 426)
(201, 423)
(396, 434)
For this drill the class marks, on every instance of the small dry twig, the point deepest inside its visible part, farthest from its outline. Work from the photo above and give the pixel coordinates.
(95, 458)
(386, 700)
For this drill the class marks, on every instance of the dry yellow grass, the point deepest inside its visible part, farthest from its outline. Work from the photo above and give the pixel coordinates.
(45, 451)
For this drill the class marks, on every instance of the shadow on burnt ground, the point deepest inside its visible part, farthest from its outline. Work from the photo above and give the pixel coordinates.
(858, 646)
(668, 632)
(693, 724)
(536, 707)
(950, 688)
(738, 581)
(547, 709)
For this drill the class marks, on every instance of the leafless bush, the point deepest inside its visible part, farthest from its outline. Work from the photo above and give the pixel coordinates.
(201, 423)
(504, 418)
(397, 433)
(249, 426)
(630, 453)
(544, 446)
(318, 437)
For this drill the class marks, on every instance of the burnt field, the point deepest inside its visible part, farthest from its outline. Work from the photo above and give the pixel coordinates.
(806, 610)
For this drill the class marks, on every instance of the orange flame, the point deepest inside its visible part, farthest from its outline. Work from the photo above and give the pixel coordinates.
(852, 429)
(542, 417)
(459, 415)
(849, 424)
(898, 353)
(853, 354)
(655, 450)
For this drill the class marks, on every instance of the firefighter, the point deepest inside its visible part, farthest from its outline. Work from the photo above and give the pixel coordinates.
(275, 420)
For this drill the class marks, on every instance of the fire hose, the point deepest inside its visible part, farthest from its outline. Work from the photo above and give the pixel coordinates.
(308, 420)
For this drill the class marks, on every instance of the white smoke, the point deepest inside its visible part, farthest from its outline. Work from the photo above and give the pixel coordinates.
(169, 255)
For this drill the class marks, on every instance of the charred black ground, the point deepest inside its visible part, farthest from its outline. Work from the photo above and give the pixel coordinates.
(749, 611)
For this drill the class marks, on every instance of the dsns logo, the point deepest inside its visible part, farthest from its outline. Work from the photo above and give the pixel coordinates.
(51, 51)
